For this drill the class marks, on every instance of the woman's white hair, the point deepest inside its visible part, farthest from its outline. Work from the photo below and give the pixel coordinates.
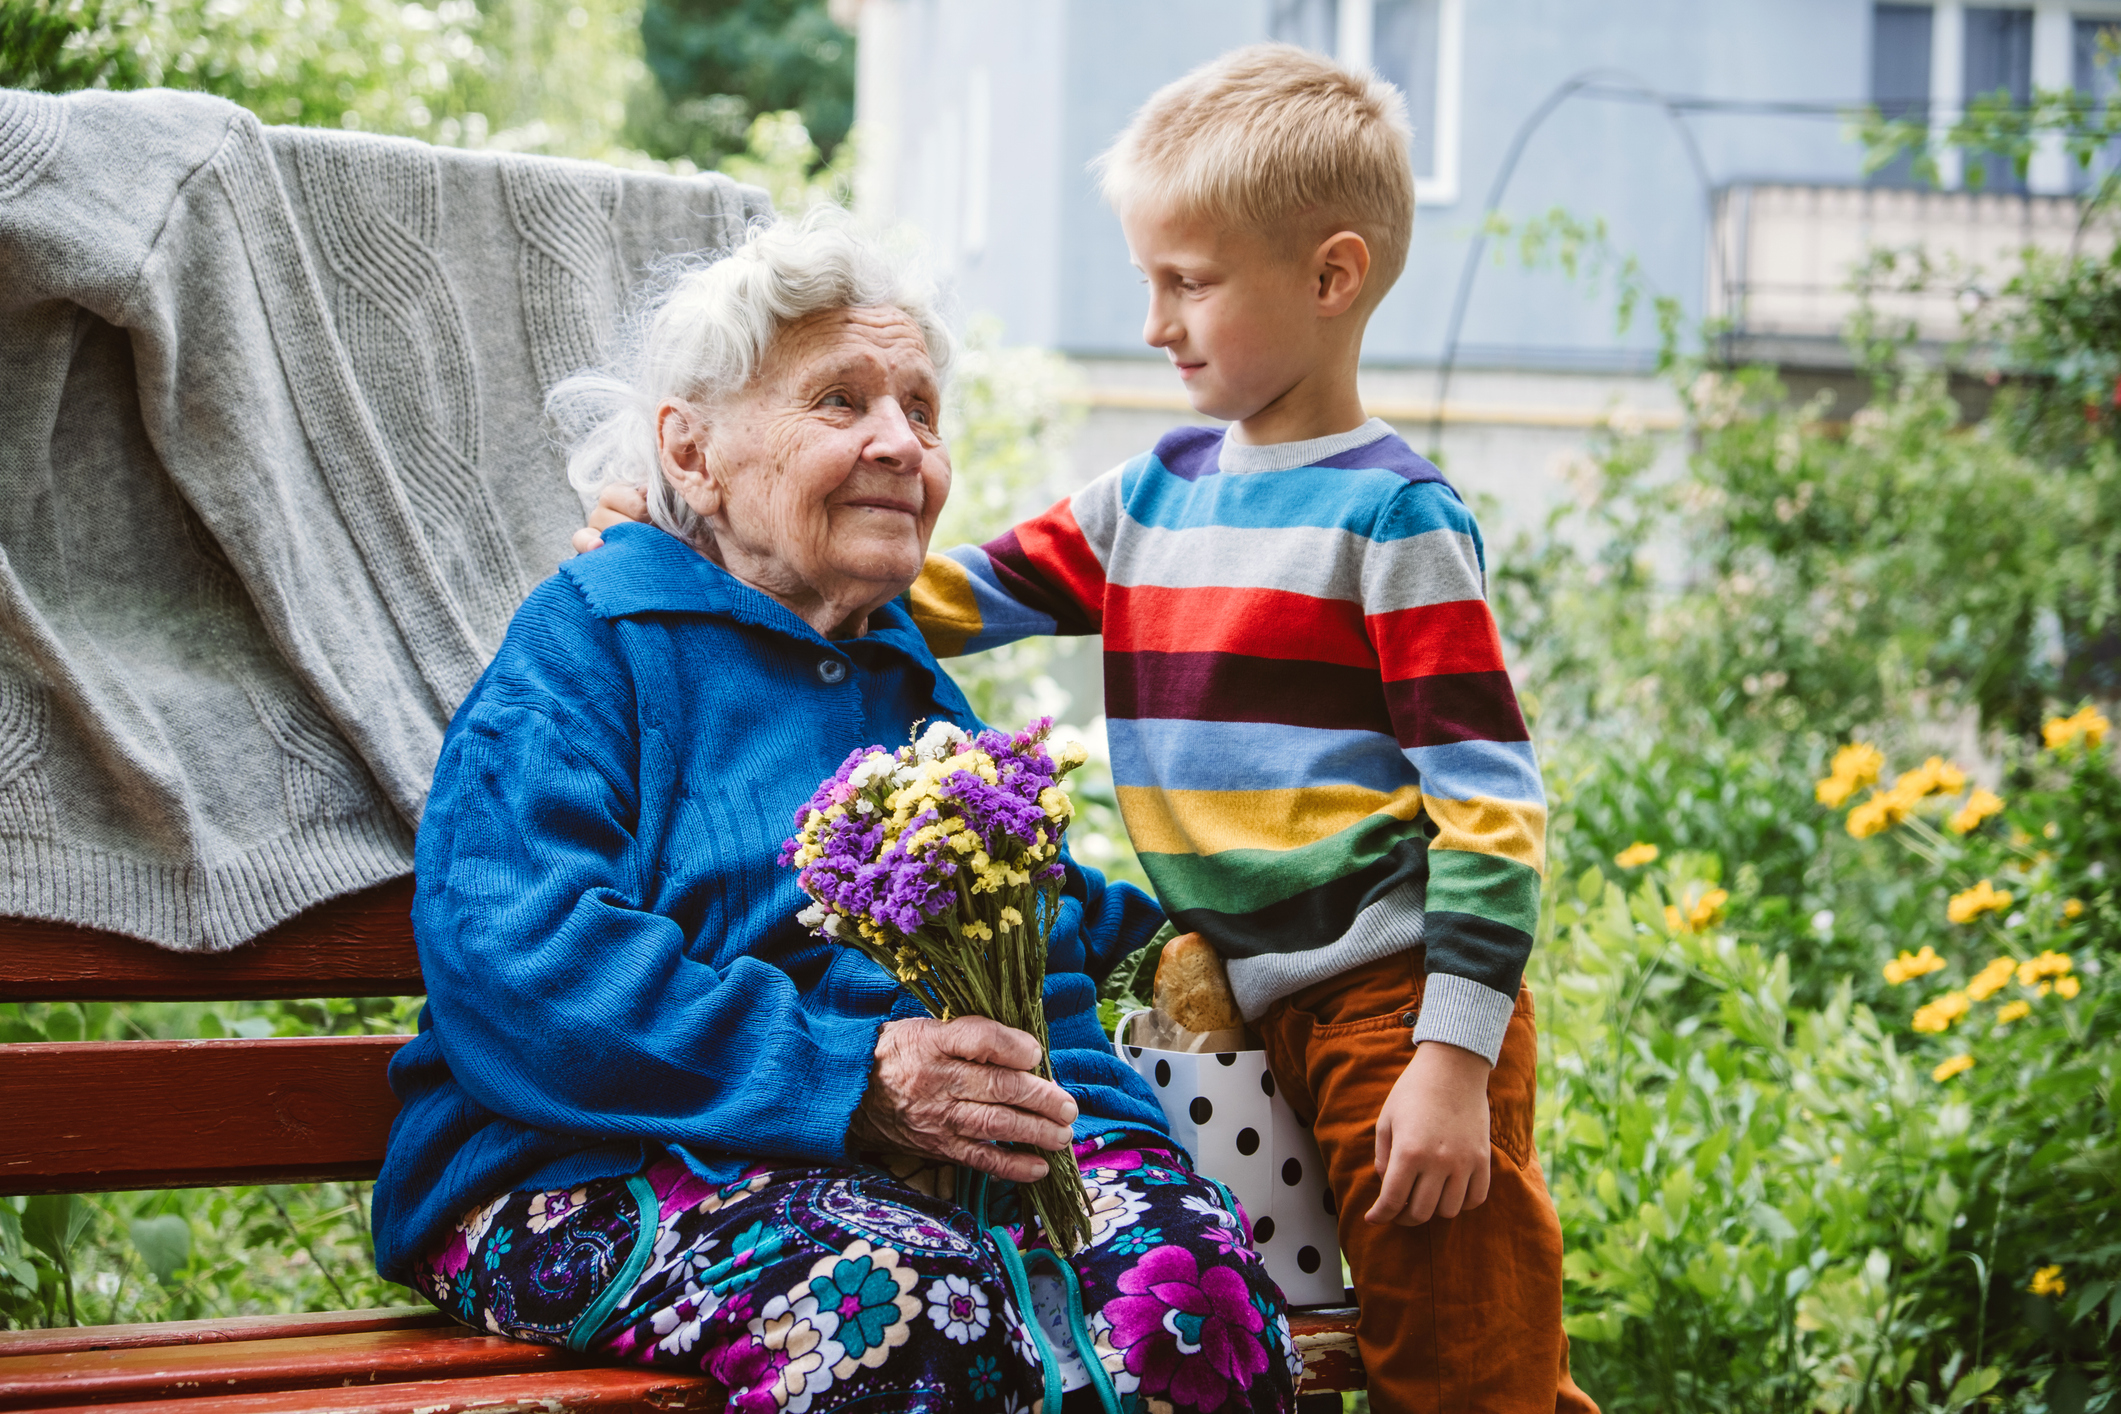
(700, 334)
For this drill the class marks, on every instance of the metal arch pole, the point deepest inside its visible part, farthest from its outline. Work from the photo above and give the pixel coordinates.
(1464, 293)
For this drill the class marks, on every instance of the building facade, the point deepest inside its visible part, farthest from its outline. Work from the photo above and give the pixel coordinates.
(1711, 137)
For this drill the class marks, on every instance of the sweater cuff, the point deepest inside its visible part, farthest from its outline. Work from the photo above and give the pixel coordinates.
(1460, 1012)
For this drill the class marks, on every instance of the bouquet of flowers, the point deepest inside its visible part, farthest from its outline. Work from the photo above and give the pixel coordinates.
(941, 861)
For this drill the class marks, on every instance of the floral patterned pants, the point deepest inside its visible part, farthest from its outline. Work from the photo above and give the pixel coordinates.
(824, 1288)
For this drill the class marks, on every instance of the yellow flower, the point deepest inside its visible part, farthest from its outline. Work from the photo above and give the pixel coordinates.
(1070, 754)
(2067, 987)
(1831, 791)
(1674, 919)
(1931, 777)
(1856, 764)
(2048, 1282)
(980, 931)
(1933, 1018)
(2012, 1011)
(1951, 1066)
(1011, 919)
(2086, 725)
(2073, 909)
(1910, 965)
(2048, 964)
(1992, 979)
(1636, 855)
(1886, 808)
(1979, 806)
(1708, 908)
(1983, 897)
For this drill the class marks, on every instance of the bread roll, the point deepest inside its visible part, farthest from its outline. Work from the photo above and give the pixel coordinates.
(1192, 987)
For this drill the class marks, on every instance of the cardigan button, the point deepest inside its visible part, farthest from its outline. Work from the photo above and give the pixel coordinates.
(831, 671)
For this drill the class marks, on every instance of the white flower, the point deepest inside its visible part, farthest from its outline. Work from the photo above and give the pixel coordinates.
(958, 1308)
(812, 916)
(936, 742)
(832, 925)
(1214, 1212)
(875, 769)
(679, 1325)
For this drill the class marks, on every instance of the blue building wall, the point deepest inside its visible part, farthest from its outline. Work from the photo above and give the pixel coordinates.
(1063, 76)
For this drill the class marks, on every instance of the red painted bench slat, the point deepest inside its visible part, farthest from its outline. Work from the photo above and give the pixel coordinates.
(219, 1328)
(621, 1391)
(358, 946)
(94, 1116)
(246, 1367)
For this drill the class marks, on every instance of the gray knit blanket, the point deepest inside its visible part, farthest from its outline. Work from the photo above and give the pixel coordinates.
(273, 479)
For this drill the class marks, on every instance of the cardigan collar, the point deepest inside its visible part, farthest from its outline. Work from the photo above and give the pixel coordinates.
(643, 570)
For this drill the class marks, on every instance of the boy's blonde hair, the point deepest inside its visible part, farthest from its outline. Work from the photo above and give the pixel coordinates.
(1271, 137)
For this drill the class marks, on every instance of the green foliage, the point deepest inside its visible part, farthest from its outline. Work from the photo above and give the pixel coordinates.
(191, 1253)
(720, 64)
(53, 47)
(1778, 1206)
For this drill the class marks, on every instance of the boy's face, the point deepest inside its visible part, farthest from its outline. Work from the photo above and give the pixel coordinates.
(1237, 315)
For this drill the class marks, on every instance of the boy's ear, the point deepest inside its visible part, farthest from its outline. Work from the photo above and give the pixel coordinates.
(1341, 267)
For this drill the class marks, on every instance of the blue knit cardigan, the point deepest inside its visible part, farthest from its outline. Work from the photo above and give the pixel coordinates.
(610, 946)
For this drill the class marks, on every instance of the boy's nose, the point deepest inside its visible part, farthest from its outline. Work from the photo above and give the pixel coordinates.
(1159, 330)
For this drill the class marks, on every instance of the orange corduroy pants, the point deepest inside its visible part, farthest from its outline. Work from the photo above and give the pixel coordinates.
(1459, 1315)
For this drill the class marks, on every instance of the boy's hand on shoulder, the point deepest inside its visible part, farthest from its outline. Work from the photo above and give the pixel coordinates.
(616, 505)
(1432, 1138)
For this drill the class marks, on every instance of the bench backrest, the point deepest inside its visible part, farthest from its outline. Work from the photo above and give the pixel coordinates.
(93, 1116)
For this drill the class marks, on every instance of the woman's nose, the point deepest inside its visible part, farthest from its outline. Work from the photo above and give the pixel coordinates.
(893, 444)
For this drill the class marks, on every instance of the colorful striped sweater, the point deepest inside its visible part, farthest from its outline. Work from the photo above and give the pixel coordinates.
(1316, 748)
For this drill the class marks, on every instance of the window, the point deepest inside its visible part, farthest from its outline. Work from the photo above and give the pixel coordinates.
(1413, 44)
(1900, 73)
(1998, 62)
(2095, 49)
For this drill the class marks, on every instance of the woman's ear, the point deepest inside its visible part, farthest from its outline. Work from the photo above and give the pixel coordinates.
(681, 446)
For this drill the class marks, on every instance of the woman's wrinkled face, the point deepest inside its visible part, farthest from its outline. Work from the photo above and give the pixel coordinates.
(823, 478)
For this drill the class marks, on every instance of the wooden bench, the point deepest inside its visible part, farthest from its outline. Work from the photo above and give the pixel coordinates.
(102, 1116)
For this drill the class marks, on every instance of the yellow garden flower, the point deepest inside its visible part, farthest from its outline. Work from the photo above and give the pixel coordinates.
(2048, 1282)
(2048, 964)
(1674, 920)
(2073, 909)
(1992, 979)
(1708, 908)
(1979, 806)
(1932, 777)
(2086, 725)
(1983, 897)
(2013, 1011)
(1933, 1018)
(1636, 855)
(1910, 965)
(1855, 765)
(2067, 987)
(1951, 1066)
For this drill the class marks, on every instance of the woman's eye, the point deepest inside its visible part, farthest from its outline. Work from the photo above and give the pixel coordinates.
(835, 400)
(920, 415)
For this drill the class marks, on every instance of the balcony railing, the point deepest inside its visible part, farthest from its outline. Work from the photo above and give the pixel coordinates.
(1785, 259)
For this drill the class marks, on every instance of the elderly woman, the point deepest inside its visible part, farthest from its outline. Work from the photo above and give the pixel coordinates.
(649, 1115)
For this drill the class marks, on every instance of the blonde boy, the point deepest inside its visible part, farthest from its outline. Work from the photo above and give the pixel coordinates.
(1317, 749)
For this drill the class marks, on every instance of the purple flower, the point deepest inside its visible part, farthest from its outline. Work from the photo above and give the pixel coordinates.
(1186, 1331)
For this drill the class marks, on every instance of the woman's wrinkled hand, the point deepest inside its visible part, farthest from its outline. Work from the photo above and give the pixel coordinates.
(957, 1090)
(616, 505)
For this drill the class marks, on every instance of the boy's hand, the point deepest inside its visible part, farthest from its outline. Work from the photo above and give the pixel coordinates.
(1432, 1138)
(616, 505)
